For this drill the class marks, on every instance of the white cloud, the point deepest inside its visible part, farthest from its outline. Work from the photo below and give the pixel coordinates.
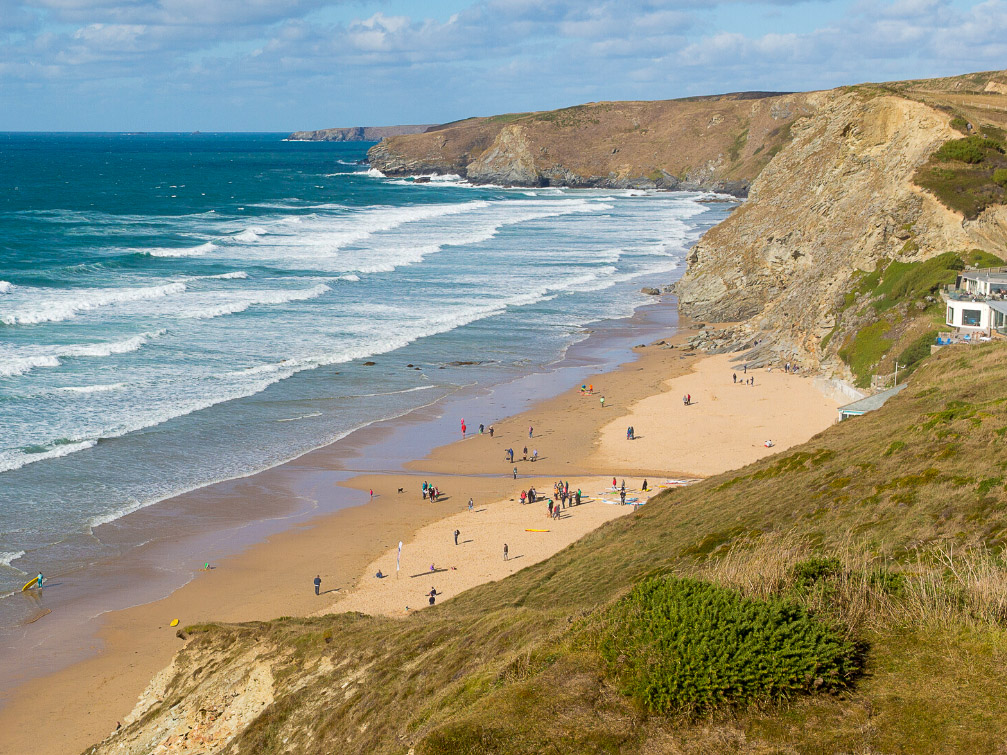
(490, 56)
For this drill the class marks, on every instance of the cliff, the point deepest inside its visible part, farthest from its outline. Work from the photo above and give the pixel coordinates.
(718, 143)
(356, 133)
(839, 202)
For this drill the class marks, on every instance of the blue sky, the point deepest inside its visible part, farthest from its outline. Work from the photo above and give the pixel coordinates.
(281, 65)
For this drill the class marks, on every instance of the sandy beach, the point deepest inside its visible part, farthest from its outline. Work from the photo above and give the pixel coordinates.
(577, 439)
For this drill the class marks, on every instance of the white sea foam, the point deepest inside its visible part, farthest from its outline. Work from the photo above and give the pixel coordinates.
(237, 275)
(71, 302)
(14, 366)
(375, 173)
(11, 460)
(108, 348)
(195, 251)
(18, 362)
(6, 557)
(6, 287)
(351, 277)
(105, 388)
(303, 416)
(250, 234)
(245, 300)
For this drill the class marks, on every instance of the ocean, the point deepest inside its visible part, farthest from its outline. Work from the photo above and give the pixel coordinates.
(180, 309)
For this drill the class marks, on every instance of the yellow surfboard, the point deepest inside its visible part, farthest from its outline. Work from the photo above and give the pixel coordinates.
(174, 623)
(536, 530)
(33, 582)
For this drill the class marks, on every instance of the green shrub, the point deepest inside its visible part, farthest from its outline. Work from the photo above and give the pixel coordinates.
(691, 646)
(808, 572)
(971, 149)
(888, 582)
(918, 349)
(960, 124)
(1000, 177)
(979, 258)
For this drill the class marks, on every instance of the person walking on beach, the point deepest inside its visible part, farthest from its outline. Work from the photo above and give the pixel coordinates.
(602, 402)
(372, 493)
(578, 497)
(644, 488)
(463, 429)
(480, 428)
(505, 551)
(745, 367)
(524, 457)
(491, 431)
(530, 430)
(622, 496)
(515, 473)
(534, 456)
(614, 483)
(457, 533)
(550, 507)
(433, 595)
(39, 580)
(471, 503)
(510, 455)
(735, 376)
(524, 495)
(318, 582)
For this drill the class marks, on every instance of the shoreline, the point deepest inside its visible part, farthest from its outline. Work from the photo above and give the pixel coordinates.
(158, 544)
(290, 499)
(272, 577)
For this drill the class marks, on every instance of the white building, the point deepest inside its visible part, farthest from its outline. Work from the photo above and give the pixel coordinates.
(976, 316)
(968, 315)
(983, 283)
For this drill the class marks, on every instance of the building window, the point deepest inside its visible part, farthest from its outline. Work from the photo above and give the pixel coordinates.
(971, 317)
(951, 316)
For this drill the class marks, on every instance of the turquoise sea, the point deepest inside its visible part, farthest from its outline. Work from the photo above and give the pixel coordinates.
(181, 309)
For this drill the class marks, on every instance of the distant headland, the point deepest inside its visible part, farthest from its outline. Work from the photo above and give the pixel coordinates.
(357, 133)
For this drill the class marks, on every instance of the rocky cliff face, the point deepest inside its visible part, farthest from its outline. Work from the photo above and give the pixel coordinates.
(356, 133)
(716, 143)
(838, 199)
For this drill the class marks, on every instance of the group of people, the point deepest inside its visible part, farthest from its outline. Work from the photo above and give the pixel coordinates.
(745, 381)
(630, 433)
(529, 496)
(482, 429)
(431, 492)
(687, 399)
(561, 490)
(524, 457)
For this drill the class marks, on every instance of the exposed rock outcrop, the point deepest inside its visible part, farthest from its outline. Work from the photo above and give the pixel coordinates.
(834, 201)
(356, 133)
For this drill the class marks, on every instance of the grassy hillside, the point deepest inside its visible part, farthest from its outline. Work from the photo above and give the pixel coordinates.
(893, 313)
(885, 531)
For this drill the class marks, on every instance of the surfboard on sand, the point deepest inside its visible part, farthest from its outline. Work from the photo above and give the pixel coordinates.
(536, 530)
(33, 582)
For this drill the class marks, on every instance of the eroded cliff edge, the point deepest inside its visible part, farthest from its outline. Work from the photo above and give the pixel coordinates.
(837, 203)
(715, 143)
